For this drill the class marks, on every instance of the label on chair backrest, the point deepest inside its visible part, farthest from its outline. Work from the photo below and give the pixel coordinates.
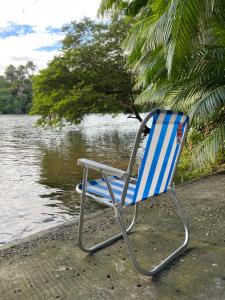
(179, 132)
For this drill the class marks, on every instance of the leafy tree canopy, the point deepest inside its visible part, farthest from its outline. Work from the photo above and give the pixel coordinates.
(89, 76)
(16, 89)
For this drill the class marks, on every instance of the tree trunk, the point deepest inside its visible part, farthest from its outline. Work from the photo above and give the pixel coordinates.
(133, 109)
(146, 129)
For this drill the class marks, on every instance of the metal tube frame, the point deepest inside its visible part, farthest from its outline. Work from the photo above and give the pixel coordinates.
(169, 258)
(125, 231)
(81, 219)
(119, 208)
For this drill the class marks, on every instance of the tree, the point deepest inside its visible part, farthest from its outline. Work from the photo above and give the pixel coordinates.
(16, 88)
(177, 49)
(89, 76)
(11, 73)
(6, 98)
(30, 67)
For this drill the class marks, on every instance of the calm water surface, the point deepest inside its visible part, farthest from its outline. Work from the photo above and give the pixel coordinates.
(38, 169)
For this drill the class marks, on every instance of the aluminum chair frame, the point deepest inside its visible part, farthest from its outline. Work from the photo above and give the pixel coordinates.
(119, 207)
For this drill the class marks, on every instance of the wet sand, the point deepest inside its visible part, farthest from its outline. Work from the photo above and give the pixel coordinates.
(49, 265)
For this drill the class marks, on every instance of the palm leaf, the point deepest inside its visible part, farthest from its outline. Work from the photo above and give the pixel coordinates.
(208, 105)
(208, 150)
(149, 95)
(108, 6)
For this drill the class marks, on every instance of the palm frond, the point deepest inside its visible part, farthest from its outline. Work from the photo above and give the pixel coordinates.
(208, 105)
(176, 29)
(150, 68)
(181, 99)
(208, 150)
(108, 6)
(136, 6)
(153, 95)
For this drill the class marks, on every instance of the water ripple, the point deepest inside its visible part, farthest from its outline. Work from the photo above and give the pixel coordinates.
(38, 168)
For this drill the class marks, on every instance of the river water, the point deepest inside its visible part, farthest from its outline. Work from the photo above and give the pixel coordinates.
(38, 170)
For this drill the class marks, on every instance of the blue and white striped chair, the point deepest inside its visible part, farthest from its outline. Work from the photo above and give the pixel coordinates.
(118, 189)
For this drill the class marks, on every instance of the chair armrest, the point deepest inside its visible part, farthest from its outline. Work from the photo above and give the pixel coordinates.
(102, 167)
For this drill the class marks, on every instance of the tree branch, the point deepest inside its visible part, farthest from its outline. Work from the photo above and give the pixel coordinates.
(133, 109)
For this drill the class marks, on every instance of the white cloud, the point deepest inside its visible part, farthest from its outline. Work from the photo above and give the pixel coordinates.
(18, 50)
(40, 14)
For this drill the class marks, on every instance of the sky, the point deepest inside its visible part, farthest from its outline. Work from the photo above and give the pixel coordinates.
(31, 29)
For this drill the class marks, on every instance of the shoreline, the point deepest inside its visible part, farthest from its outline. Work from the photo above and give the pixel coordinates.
(49, 265)
(41, 234)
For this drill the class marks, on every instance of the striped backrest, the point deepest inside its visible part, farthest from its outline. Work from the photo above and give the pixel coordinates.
(161, 153)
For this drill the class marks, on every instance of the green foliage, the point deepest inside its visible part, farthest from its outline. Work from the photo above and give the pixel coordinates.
(177, 49)
(210, 149)
(16, 89)
(187, 171)
(129, 8)
(89, 76)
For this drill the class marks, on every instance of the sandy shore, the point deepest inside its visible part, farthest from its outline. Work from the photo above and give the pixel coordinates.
(49, 265)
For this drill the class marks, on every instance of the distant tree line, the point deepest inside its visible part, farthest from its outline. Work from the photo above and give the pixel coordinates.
(16, 89)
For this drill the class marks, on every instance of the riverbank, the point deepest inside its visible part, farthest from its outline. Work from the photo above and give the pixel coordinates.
(39, 192)
(49, 265)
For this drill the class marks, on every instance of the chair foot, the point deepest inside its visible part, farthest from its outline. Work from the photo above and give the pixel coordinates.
(106, 242)
(171, 257)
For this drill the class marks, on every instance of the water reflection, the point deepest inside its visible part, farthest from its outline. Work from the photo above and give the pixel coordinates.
(39, 171)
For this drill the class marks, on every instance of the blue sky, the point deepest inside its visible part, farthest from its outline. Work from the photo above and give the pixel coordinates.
(31, 29)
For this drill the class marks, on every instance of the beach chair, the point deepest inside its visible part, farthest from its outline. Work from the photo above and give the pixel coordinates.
(118, 189)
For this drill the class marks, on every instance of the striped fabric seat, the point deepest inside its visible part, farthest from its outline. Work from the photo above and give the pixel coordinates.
(156, 170)
(99, 188)
(161, 154)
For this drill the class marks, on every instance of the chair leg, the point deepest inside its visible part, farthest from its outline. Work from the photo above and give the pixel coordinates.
(172, 256)
(81, 222)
